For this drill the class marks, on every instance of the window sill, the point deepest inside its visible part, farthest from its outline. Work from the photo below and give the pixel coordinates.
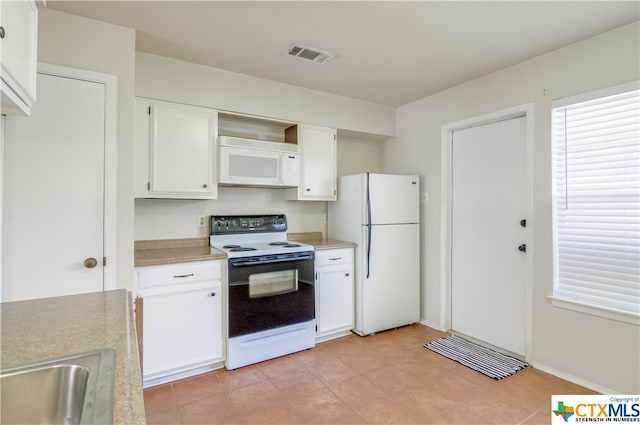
(620, 316)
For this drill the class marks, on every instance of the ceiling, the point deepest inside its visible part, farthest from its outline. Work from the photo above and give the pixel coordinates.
(387, 52)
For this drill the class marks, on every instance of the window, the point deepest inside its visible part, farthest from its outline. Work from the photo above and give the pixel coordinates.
(596, 200)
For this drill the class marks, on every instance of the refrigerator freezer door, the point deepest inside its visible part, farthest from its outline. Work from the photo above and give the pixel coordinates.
(390, 297)
(393, 198)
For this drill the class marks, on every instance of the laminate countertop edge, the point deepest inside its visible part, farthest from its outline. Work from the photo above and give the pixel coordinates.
(172, 251)
(48, 328)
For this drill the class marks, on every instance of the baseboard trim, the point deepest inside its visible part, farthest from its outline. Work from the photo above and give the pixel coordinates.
(576, 380)
(432, 325)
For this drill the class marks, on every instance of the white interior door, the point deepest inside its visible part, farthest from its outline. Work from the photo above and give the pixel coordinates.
(488, 270)
(54, 192)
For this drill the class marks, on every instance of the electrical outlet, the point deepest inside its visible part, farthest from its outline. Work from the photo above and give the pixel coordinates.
(202, 220)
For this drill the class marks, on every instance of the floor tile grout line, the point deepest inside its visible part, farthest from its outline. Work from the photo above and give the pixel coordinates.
(531, 416)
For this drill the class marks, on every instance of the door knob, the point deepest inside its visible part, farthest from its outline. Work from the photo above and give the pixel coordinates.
(523, 222)
(90, 262)
(523, 247)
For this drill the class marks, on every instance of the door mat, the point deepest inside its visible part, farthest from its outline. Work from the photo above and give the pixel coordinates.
(491, 363)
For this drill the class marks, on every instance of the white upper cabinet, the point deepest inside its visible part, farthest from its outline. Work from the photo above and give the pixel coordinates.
(175, 151)
(18, 50)
(318, 166)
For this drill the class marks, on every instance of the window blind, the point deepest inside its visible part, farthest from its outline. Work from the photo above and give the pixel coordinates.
(596, 201)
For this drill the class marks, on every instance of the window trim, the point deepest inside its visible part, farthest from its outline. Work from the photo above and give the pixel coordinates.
(562, 301)
(594, 310)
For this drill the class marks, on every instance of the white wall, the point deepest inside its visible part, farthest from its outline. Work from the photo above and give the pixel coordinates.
(164, 78)
(169, 219)
(178, 81)
(77, 42)
(599, 352)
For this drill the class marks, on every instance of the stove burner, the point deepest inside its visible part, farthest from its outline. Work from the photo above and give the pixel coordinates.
(231, 246)
(242, 248)
(285, 244)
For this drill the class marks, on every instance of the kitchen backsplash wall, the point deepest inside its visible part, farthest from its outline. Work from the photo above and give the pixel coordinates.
(174, 219)
(170, 219)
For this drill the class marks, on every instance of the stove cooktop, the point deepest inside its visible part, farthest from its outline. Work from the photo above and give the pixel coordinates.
(245, 236)
(249, 248)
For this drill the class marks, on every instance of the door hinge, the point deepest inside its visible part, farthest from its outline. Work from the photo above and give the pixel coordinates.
(148, 185)
(104, 261)
(316, 276)
(149, 110)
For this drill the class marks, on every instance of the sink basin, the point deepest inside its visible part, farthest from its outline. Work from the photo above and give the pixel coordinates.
(76, 389)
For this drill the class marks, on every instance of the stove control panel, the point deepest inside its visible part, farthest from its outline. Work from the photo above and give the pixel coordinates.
(230, 224)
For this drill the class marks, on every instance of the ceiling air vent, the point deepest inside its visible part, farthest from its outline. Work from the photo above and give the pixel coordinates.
(309, 54)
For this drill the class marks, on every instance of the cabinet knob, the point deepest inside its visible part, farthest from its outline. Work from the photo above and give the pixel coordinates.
(308, 189)
(90, 262)
(347, 274)
(2, 33)
(213, 294)
(204, 186)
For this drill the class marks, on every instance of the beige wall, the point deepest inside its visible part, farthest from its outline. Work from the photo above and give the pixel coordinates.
(357, 155)
(77, 42)
(599, 352)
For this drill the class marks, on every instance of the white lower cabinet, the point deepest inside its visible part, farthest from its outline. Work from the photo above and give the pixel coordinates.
(334, 293)
(181, 319)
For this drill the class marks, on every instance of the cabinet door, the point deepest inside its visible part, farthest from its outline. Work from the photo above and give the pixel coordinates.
(318, 167)
(334, 299)
(182, 151)
(182, 330)
(19, 20)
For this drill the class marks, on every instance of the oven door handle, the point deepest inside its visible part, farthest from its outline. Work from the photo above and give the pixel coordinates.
(244, 263)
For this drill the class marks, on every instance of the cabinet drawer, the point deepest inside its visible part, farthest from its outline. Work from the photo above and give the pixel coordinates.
(333, 257)
(173, 274)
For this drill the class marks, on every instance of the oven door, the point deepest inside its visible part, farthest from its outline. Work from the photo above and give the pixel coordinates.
(270, 292)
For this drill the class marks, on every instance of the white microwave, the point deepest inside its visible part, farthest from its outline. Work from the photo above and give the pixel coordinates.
(249, 162)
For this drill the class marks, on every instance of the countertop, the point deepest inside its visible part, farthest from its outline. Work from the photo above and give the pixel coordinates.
(169, 251)
(319, 243)
(41, 329)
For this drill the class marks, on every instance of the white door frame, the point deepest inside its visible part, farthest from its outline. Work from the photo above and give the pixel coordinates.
(445, 213)
(110, 159)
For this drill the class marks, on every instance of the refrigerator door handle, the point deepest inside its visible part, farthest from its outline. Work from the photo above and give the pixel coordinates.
(368, 226)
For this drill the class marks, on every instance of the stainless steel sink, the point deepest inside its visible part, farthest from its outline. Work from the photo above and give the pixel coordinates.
(76, 389)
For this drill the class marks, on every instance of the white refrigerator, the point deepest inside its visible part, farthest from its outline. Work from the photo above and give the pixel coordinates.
(381, 214)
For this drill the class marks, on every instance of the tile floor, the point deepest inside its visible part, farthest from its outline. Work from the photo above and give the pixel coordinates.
(388, 378)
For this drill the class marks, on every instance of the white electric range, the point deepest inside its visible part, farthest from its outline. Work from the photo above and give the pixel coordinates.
(271, 292)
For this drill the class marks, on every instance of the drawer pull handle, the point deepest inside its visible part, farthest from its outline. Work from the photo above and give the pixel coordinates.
(180, 276)
(335, 258)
